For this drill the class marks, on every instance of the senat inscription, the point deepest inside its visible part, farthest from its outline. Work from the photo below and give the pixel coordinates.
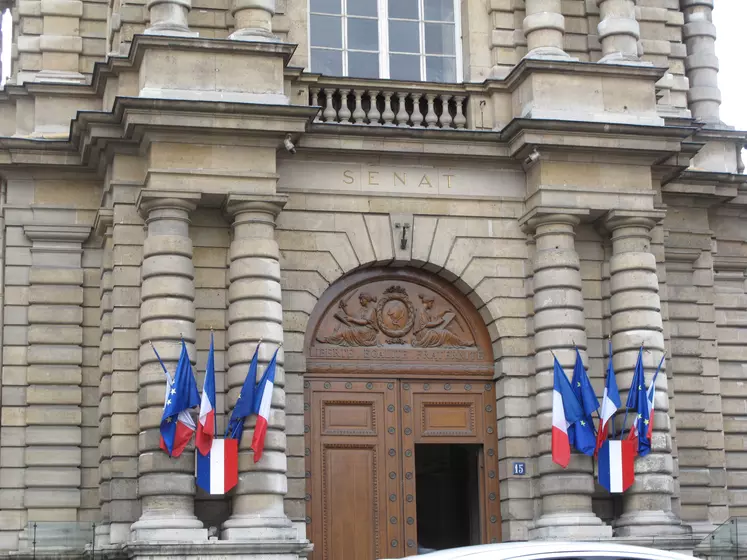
(398, 179)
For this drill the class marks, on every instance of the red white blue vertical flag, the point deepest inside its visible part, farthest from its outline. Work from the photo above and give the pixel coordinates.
(650, 394)
(565, 411)
(218, 470)
(616, 465)
(263, 406)
(610, 402)
(206, 421)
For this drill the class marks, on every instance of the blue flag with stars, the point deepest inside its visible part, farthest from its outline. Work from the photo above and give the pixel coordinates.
(581, 433)
(638, 401)
(177, 425)
(245, 403)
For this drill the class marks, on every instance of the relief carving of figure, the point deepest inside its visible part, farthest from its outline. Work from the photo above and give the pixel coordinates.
(359, 329)
(432, 330)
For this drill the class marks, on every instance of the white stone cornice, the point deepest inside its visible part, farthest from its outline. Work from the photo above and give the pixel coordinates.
(55, 233)
(271, 204)
(104, 220)
(148, 199)
(543, 214)
(623, 218)
(730, 263)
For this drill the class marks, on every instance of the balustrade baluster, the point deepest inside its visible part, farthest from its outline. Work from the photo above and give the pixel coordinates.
(330, 115)
(417, 115)
(402, 114)
(445, 113)
(315, 103)
(344, 109)
(373, 114)
(459, 119)
(431, 119)
(359, 115)
(388, 114)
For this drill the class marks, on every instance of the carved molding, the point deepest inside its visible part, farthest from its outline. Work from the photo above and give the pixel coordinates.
(392, 321)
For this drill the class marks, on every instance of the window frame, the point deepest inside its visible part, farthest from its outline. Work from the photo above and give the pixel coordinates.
(382, 11)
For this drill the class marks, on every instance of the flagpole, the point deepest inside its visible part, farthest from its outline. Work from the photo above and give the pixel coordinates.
(160, 361)
(625, 419)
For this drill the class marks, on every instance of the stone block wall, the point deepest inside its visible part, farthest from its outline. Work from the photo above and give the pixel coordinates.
(210, 237)
(730, 305)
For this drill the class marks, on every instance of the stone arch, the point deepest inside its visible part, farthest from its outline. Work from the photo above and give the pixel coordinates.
(394, 358)
(388, 320)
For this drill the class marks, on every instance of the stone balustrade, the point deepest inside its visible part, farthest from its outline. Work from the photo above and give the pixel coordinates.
(389, 107)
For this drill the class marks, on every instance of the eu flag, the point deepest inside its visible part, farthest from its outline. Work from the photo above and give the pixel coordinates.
(581, 433)
(245, 403)
(638, 401)
(177, 425)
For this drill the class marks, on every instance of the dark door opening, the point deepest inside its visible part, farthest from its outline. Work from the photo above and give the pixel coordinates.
(448, 495)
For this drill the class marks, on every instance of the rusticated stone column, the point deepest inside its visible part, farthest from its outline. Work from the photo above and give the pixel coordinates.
(619, 31)
(544, 27)
(253, 20)
(104, 229)
(54, 374)
(169, 17)
(254, 313)
(558, 326)
(636, 320)
(166, 485)
(701, 64)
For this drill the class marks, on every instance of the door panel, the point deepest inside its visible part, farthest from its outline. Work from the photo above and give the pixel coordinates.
(360, 460)
(354, 466)
(457, 413)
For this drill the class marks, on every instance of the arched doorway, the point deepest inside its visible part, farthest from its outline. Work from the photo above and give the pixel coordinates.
(401, 447)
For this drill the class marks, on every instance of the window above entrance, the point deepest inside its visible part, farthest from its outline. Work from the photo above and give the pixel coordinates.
(409, 40)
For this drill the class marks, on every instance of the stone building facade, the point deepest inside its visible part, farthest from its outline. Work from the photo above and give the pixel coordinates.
(423, 201)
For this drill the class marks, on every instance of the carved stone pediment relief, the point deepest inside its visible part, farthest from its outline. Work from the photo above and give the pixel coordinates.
(396, 319)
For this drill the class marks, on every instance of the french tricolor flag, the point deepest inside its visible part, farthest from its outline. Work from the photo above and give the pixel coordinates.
(565, 411)
(218, 470)
(206, 422)
(263, 406)
(650, 394)
(610, 402)
(616, 465)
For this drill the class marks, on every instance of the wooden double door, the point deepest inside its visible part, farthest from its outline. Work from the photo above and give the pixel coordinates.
(394, 467)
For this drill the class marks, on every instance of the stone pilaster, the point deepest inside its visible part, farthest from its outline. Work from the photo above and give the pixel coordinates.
(166, 485)
(60, 43)
(544, 27)
(54, 375)
(169, 17)
(558, 326)
(128, 236)
(701, 64)
(253, 20)
(104, 229)
(636, 320)
(619, 32)
(255, 312)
